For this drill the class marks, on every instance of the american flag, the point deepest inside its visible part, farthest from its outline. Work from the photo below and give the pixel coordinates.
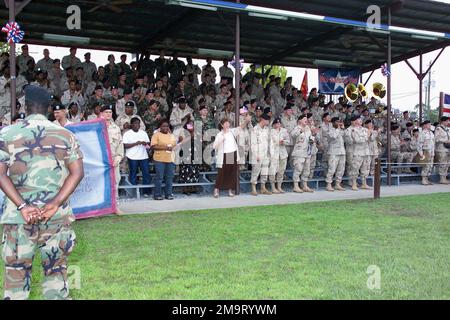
(446, 106)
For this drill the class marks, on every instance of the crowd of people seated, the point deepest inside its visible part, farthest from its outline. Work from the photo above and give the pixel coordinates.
(181, 116)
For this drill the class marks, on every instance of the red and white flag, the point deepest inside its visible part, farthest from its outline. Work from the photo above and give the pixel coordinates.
(446, 106)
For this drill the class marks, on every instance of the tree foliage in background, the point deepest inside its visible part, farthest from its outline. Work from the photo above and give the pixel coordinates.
(277, 71)
(4, 47)
(428, 113)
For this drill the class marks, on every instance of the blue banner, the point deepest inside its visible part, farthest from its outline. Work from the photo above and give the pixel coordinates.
(95, 195)
(333, 81)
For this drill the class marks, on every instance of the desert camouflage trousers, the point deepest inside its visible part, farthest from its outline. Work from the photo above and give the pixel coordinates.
(19, 244)
(336, 167)
(444, 158)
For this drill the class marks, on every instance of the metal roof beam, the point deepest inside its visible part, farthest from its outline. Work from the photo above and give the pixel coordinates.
(413, 54)
(306, 44)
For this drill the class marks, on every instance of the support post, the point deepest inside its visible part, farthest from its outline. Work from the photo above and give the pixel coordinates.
(441, 105)
(389, 107)
(421, 90)
(237, 84)
(370, 76)
(377, 179)
(12, 60)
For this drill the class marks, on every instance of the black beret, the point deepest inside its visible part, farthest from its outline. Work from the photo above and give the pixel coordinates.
(277, 120)
(253, 101)
(200, 108)
(289, 97)
(114, 87)
(394, 127)
(246, 102)
(444, 118)
(267, 110)
(309, 115)
(201, 101)
(151, 90)
(58, 107)
(367, 121)
(288, 107)
(425, 122)
(409, 124)
(259, 108)
(130, 104)
(18, 116)
(127, 91)
(354, 118)
(334, 119)
(301, 117)
(73, 104)
(326, 114)
(37, 95)
(315, 99)
(106, 107)
(265, 117)
(98, 87)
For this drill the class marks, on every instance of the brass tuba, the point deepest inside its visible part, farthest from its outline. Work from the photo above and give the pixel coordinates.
(351, 92)
(362, 91)
(379, 90)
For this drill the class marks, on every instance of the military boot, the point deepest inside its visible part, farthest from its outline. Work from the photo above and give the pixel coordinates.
(273, 188)
(364, 185)
(297, 189)
(254, 192)
(306, 188)
(279, 187)
(443, 180)
(329, 187)
(338, 186)
(264, 190)
(354, 185)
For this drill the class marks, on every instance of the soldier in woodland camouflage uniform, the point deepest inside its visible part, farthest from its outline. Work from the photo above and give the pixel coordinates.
(44, 162)
(151, 116)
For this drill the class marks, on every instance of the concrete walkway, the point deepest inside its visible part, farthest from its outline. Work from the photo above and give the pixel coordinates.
(182, 203)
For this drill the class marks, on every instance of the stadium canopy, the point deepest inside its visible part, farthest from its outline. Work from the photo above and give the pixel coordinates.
(284, 36)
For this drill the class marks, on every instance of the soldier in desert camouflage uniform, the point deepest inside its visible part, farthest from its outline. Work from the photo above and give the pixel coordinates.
(45, 166)
(115, 140)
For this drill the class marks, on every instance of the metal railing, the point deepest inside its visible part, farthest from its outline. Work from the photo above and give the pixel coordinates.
(207, 179)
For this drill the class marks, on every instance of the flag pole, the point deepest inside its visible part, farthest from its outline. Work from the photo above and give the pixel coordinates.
(12, 60)
(441, 105)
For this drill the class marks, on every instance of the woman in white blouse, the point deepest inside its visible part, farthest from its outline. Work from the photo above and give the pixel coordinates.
(227, 156)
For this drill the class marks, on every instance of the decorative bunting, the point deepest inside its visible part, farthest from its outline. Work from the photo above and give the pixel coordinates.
(233, 63)
(14, 34)
(385, 70)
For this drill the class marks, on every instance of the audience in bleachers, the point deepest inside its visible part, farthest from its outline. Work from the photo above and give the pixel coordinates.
(147, 92)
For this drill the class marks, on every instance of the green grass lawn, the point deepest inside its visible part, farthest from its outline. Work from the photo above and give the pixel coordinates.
(307, 251)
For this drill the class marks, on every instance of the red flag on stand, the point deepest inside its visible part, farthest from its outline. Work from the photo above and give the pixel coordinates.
(304, 87)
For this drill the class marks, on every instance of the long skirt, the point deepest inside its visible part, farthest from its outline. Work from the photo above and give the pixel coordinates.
(226, 177)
